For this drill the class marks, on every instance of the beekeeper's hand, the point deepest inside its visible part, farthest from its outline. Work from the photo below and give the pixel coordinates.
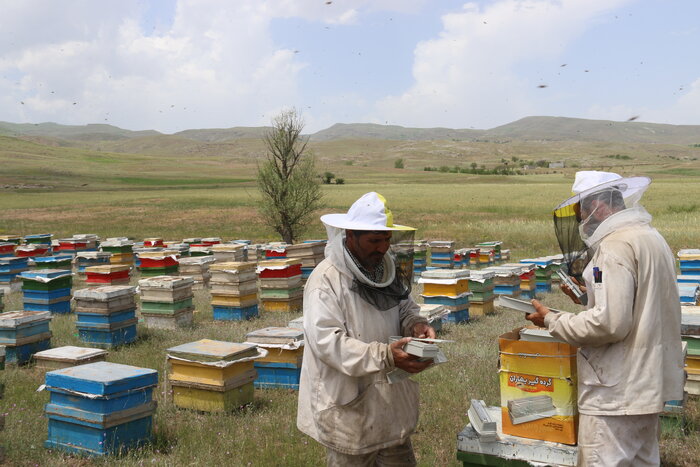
(423, 331)
(407, 362)
(567, 291)
(537, 317)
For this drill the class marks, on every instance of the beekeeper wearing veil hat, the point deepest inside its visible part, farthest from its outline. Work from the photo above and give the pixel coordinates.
(353, 301)
(629, 359)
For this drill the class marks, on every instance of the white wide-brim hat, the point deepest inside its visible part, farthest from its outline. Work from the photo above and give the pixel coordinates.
(589, 182)
(370, 212)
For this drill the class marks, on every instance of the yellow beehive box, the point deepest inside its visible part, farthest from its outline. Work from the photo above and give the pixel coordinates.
(538, 389)
(212, 401)
(449, 290)
(283, 305)
(278, 355)
(481, 308)
(232, 300)
(121, 258)
(196, 372)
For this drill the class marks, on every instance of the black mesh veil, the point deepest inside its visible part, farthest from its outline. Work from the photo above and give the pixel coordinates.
(574, 249)
(400, 259)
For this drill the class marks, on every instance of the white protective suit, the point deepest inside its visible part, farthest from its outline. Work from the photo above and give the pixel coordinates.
(629, 358)
(345, 402)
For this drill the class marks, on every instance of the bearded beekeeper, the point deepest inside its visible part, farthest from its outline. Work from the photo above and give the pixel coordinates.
(353, 301)
(629, 358)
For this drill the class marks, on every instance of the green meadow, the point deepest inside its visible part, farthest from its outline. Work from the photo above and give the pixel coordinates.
(176, 194)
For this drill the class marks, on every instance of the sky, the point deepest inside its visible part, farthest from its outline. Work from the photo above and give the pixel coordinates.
(172, 65)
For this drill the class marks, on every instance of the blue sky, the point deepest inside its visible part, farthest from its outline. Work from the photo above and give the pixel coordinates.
(173, 65)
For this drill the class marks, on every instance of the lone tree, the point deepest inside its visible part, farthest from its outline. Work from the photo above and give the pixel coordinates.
(287, 179)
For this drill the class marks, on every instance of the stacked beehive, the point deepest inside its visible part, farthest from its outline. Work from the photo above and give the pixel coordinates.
(106, 315)
(442, 254)
(449, 288)
(281, 367)
(31, 250)
(212, 376)
(689, 261)
(275, 250)
(481, 285)
(690, 333)
(166, 301)
(10, 269)
(47, 290)
(38, 239)
(495, 246)
(528, 284)
(310, 253)
(474, 257)
(68, 356)
(434, 314)
(543, 272)
(122, 250)
(229, 252)
(420, 258)
(255, 252)
(198, 269)
(487, 256)
(85, 259)
(507, 279)
(158, 263)
(53, 262)
(234, 291)
(153, 242)
(7, 249)
(14, 239)
(23, 333)
(109, 274)
(77, 243)
(200, 250)
(280, 284)
(100, 408)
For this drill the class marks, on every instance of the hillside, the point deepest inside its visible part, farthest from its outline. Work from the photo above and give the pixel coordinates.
(91, 132)
(391, 132)
(215, 135)
(578, 129)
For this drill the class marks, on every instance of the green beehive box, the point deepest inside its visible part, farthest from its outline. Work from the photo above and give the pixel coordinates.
(60, 283)
(163, 308)
(152, 272)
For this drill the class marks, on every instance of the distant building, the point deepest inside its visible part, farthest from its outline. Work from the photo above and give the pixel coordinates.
(556, 165)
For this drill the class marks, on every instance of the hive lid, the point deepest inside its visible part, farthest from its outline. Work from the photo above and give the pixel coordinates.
(481, 275)
(166, 282)
(197, 260)
(13, 319)
(275, 335)
(104, 293)
(70, 353)
(107, 268)
(101, 378)
(445, 274)
(234, 266)
(280, 263)
(207, 350)
(45, 275)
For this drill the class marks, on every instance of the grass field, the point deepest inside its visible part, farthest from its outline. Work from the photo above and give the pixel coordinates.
(171, 196)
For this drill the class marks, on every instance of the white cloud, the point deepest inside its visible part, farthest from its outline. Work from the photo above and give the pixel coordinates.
(468, 75)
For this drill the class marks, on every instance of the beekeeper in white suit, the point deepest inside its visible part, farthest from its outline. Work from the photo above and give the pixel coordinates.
(629, 358)
(354, 301)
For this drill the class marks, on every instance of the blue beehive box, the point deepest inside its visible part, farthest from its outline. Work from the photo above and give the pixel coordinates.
(107, 338)
(235, 313)
(22, 354)
(543, 287)
(457, 302)
(100, 408)
(457, 317)
(46, 296)
(92, 318)
(306, 272)
(511, 290)
(13, 264)
(24, 333)
(277, 375)
(54, 308)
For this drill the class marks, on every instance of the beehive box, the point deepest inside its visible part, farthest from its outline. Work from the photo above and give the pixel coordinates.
(68, 356)
(23, 333)
(105, 300)
(166, 288)
(281, 367)
(286, 306)
(234, 313)
(531, 369)
(113, 274)
(180, 319)
(100, 408)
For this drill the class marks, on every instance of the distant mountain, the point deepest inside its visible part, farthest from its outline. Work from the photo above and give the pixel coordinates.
(579, 129)
(525, 129)
(91, 132)
(394, 132)
(216, 135)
